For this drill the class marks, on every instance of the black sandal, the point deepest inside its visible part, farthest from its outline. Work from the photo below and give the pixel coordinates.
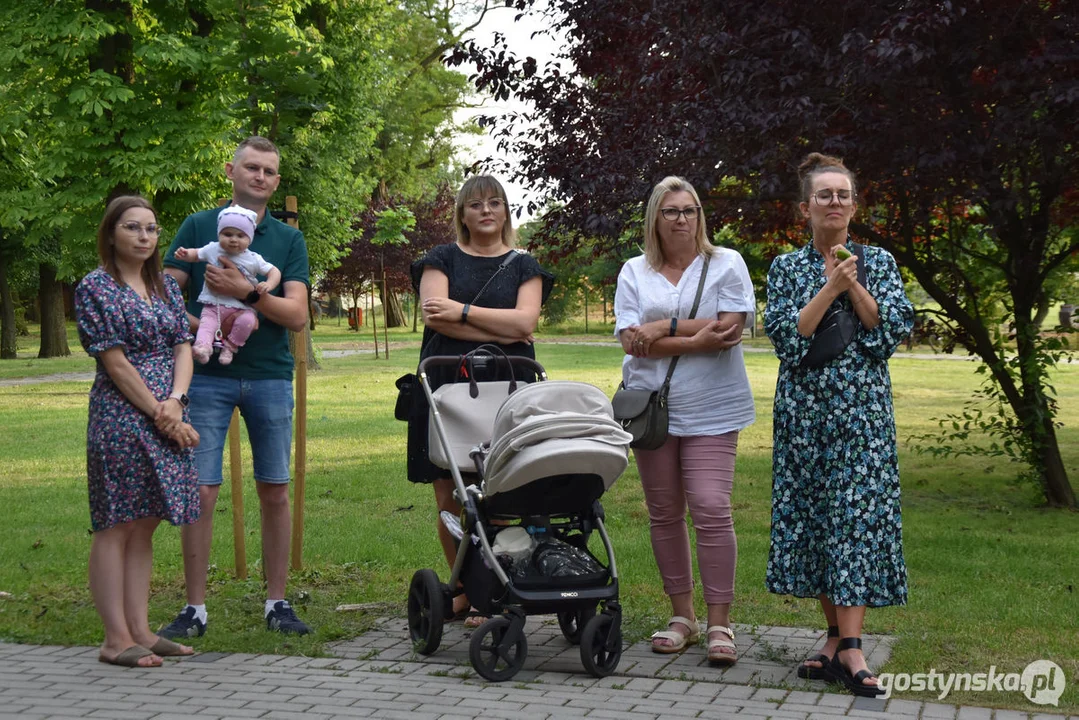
(856, 682)
(808, 672)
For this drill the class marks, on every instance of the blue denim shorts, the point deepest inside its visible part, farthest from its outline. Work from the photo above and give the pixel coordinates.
(266, 407)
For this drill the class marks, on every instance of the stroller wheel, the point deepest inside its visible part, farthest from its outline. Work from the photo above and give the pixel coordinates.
(425, 611)
(572, 623)
(494, 653)
(601, 646)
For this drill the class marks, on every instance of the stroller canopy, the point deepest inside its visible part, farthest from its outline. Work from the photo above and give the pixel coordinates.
(554, 428)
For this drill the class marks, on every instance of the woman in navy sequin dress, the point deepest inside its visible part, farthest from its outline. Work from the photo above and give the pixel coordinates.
(139, 460)
(836, 524)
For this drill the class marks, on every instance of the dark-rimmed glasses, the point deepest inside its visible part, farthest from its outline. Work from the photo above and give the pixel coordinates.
(672, 214)
(825, 197)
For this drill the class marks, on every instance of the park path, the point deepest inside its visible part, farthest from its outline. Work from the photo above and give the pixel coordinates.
(376, 675)
(89, 376)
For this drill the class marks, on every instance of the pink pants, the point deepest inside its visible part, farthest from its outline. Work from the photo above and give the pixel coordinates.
(213, 315)
(698, 472)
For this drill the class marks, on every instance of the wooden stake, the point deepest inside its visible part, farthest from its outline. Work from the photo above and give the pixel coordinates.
(299, 487)
(236, 484)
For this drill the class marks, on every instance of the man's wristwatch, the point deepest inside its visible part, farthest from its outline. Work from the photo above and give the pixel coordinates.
(252, 297)
(674, 326)
(180, 398)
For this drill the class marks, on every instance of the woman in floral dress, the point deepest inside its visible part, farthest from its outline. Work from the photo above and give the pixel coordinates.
(139, 463)
(836, 527)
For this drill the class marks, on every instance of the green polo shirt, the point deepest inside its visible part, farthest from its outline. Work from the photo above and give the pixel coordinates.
(266, 354)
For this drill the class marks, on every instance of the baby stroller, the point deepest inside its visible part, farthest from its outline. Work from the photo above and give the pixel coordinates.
(551, 450)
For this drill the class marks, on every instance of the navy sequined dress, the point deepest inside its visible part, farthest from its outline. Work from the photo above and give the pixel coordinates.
(836, 523)
(467, 275)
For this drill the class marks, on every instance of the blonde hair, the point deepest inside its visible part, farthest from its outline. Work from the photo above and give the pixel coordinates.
(815, 164)
(482, 187)
(653, 251)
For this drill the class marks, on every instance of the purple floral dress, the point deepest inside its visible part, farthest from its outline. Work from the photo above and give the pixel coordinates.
(133, 470)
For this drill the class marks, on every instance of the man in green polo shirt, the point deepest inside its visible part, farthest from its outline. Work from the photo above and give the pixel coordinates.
(258, 382)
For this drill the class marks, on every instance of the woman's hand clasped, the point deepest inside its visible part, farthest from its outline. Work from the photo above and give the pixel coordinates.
(639, 338)
(442, 308)
(716, 336)
(185, 436)
(169, 421)
(842, 275)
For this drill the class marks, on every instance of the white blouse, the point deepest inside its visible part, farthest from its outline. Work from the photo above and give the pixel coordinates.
(710, 393)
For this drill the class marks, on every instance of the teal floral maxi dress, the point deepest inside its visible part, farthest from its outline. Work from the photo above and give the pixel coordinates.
(836, 524)
(133, 471)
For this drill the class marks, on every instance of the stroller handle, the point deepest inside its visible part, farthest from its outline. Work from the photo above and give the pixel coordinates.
(506, 360)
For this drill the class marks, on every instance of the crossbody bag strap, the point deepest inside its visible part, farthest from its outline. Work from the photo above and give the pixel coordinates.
(692, 314)
(859, 251)
(502, 266)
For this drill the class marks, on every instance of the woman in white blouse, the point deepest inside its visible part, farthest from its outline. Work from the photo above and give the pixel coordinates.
(710, 401)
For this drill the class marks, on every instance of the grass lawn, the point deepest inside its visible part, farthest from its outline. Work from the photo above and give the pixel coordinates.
(993, 574)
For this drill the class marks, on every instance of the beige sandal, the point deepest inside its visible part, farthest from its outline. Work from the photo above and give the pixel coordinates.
(721, 650)
(679, 642)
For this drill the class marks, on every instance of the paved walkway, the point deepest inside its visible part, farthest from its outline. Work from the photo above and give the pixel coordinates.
(377, 676)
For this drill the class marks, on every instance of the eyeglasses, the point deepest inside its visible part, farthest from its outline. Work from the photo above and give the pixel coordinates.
(824, 197)
(135, 229)
(494, 204)
(673, 213)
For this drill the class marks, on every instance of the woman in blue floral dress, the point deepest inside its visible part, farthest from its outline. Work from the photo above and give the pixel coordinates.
(139, 460)
(836, 527)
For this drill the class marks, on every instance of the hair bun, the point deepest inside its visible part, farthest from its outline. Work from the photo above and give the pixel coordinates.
(816, 161)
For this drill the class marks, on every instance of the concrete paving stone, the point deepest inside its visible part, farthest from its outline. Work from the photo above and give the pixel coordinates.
(341, 710)
(250, 695)
(939, 710)
(111, 714)
(292, 715)
(390, 714)
(232, 714)
(1010, 715)
(789, 707)
(652, 706)
(764, 694)
(974, 713)
(555, 711)
(802, 697)
(903, 707)
(222, 704)
(485, 703)
(266, 706)
(835, 700)
(619, 715)
(184, 692)
(737, 692)
(47, 702)
(95, 704)
(866, 705)
(826, 716)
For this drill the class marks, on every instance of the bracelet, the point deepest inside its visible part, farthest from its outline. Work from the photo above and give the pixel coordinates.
(464, 313)
(674, 326)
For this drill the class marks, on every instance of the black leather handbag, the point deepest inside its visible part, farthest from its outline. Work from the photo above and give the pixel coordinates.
(837, 328)
(643, 413)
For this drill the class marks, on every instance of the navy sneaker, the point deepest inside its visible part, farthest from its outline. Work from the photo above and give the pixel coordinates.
(186, 625)
(283, 619)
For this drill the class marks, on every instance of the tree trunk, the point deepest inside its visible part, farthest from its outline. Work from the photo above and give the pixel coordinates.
(8, 344)
(1058, 491)
(53, 322)
(294, 348)
(395, 313)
